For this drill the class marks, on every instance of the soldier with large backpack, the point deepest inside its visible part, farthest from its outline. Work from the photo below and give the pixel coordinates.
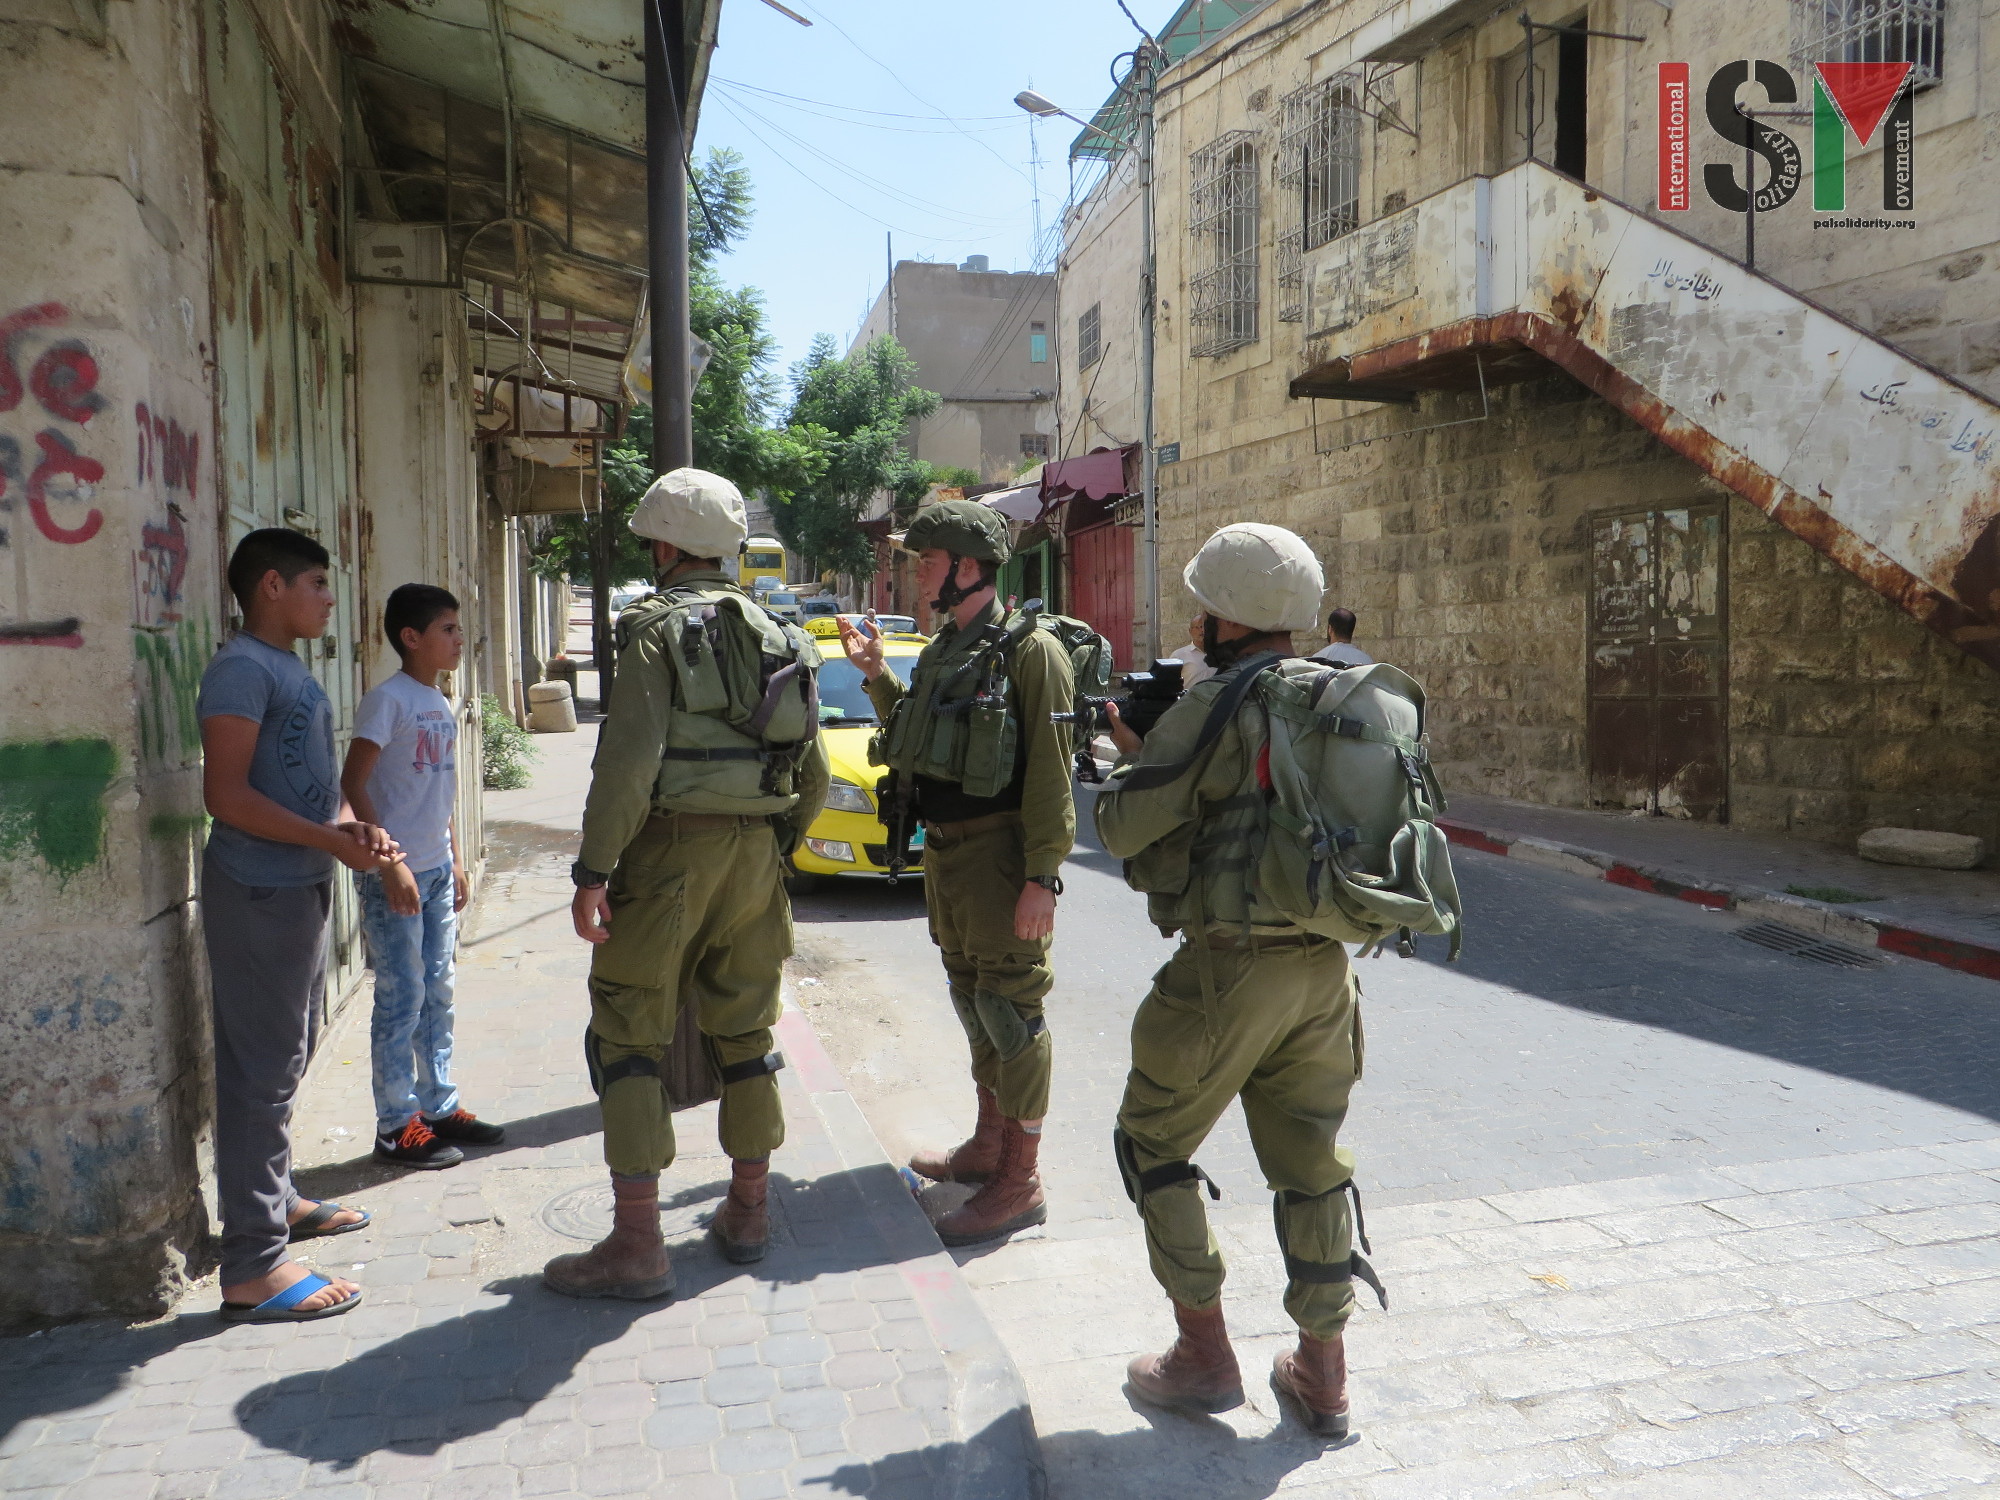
(709, 769)
(972, 738)
(1281, 808)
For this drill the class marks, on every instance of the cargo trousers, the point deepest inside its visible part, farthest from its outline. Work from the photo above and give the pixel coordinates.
(1276, 1024)
(973, 874)
(699, 917)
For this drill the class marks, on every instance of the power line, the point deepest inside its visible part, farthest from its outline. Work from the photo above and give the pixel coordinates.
(855, 108)
(888, 190)
(934, 128)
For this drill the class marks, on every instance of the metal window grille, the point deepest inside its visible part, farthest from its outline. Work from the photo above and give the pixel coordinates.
(1089, 335)
(1034, 445)
(1910, 31)
(1319, 166)
(1223, 223)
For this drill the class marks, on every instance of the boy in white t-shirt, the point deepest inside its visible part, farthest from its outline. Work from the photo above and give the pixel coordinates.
(403, 769)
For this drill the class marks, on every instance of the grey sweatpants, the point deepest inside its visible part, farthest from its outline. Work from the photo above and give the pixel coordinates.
(266, 963)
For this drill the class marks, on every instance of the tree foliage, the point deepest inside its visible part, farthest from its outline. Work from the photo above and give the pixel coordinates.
(859, 409)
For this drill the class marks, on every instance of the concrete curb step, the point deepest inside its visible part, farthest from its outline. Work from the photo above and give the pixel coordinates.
(1820, 918)
(1000, 1456)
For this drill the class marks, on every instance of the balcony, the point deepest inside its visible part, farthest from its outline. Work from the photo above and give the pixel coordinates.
(1887, 467)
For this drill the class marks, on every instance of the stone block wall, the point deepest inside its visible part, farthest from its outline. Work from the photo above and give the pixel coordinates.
(1465, 551)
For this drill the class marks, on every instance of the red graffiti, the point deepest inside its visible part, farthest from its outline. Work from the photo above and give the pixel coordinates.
(64, 380)
(167, 451)
(59, 456)
(12, 327)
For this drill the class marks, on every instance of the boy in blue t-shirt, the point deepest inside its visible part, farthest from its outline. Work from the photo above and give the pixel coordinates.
(402, 772)
(266, 893)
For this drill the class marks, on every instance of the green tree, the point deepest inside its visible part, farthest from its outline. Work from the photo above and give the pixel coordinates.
(857, 410)
(733, 405)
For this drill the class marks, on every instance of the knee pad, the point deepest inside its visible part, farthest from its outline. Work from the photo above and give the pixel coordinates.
(1004, 1026)
(603, 1075)
(742, 1072)
(1333, 1201)
(1167, 1174)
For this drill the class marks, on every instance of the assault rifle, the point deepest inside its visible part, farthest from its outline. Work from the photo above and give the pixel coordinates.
(1147, 697)
(896, 806)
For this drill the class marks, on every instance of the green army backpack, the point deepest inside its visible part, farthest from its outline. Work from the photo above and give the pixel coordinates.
(1354, 851)
(747, 686)
(1090, 664)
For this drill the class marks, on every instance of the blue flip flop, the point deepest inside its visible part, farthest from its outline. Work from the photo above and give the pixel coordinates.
(318, 1224)
(283, 1308)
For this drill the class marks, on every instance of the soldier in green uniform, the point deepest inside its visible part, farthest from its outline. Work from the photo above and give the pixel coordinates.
(709, 769)
(1250, 1006)
(993, 790)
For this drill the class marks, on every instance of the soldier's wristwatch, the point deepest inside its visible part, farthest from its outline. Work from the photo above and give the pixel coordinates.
(585, 878)
(1050, 883)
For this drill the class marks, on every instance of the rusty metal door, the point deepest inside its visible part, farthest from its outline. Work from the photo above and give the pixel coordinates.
(1658, 663)
(1100, 584)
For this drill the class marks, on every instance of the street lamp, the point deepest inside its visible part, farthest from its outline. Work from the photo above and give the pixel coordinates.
(1144, 77)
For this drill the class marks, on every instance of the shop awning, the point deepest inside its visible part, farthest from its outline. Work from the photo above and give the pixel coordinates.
(1095, 476)
(1021, 503)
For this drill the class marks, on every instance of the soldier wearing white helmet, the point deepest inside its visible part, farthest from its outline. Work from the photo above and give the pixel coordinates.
(709, 769)
(1251, 1006)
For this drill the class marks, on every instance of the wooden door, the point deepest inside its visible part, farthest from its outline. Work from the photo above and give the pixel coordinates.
(1100, 585)
(1658, 667)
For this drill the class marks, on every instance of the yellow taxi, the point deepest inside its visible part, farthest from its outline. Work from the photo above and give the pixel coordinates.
(848, 838)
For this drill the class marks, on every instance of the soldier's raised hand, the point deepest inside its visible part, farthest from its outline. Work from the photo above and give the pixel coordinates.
(863, 648)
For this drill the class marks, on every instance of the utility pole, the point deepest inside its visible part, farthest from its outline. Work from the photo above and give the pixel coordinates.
(1146, 63)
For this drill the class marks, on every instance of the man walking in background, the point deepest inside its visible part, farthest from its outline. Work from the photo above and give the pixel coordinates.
(1340, 648)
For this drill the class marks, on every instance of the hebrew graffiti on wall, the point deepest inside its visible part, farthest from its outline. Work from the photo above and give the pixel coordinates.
(169, 463)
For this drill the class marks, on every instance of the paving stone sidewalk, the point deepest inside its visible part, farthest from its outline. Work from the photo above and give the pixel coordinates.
(854, 1360)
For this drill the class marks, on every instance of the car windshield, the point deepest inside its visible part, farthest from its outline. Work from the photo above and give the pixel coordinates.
(842, 698)
(779, 598)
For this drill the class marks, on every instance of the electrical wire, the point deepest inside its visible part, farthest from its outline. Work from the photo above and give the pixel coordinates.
(916, 234)
(889, 190)
(799, 101)
(898, 80)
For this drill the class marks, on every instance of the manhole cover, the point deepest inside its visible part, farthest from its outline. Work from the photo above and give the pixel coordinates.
(1782, 939)
(584, 1213)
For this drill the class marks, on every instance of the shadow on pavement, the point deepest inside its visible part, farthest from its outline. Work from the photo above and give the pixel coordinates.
(839, 898)
(359, 1173)
(1911, 1027)
(1173, 1456)
(68, 1368)
(451, 1379)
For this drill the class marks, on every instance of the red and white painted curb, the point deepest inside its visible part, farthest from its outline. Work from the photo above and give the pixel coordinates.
(1843, 924)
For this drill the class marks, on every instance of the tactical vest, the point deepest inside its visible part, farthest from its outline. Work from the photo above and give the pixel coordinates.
(956, 722)
(745, 699)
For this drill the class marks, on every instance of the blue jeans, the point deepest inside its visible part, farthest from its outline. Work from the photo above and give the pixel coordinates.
(414, 960)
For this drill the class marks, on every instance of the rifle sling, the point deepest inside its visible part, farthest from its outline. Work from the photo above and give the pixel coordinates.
(1146, 778)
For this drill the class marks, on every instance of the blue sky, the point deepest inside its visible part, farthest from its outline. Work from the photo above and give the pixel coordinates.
(943, 162)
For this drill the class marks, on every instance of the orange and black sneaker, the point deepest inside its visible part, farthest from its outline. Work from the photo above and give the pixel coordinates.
(464, 1125)
(417, 1145)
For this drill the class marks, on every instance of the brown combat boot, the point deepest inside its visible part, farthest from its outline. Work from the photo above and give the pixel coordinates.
(1198, 1374)
(973, 1159)
(742, 1222)
(631, 1261)
(1012, 1197)
(1315, 1376)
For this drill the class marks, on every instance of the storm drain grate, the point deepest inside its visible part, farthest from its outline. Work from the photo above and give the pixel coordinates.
(1782, 939)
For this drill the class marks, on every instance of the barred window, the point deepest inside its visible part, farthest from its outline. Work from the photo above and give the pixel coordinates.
(1319, 165)
(1034, 445)
(1089, 335)
(1910, 31)
(1223, 223)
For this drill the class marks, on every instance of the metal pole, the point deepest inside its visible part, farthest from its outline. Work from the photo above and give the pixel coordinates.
(889, 254)
(667, 232)
(1528, 74)
(1149, 484)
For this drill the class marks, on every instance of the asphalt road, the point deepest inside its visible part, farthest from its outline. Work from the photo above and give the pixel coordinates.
(1589, 1033)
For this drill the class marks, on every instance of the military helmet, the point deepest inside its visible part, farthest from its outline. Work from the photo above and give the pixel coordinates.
(1261, 576)
(699, 512)
(964, 528)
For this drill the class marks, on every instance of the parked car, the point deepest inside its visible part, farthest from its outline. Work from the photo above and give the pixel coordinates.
(823, 607)
(848, 838)
(893, 627)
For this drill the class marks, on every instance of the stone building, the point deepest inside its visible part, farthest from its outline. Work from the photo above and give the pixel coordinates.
(1658, 530)
(360, 270)
(982, 339)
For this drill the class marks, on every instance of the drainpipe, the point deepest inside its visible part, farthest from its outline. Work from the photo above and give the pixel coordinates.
(1149, 484)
